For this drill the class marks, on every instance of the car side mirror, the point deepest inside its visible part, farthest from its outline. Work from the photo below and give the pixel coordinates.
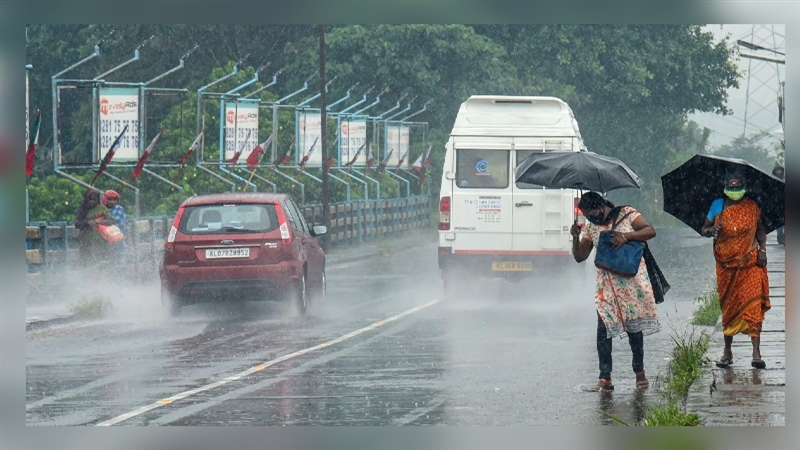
(319, 230)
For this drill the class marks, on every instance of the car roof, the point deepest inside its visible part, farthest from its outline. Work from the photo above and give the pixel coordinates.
(236, 197)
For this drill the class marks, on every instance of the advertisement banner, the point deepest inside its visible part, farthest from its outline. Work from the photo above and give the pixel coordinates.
(309, 132)
(352, 135)
(240, 119)
(119, 107)
(397, 140)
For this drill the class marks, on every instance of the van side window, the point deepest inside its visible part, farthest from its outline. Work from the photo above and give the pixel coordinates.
(482, 169)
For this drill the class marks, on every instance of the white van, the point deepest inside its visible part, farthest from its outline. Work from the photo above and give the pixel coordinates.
(489, 225)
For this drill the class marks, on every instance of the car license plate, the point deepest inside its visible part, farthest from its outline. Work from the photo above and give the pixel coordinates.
(511, 266)
(219, 253)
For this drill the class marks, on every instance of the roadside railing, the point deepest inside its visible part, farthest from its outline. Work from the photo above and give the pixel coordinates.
(53, 246)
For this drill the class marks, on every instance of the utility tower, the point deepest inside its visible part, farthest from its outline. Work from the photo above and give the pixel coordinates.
(763, 47)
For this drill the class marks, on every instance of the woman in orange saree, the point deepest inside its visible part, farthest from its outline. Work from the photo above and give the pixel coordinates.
(741, 260)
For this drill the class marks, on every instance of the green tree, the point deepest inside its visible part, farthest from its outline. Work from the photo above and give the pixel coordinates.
(749, 149)
(631, 87)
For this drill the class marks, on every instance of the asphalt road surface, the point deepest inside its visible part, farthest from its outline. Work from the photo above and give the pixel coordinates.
(383, 350)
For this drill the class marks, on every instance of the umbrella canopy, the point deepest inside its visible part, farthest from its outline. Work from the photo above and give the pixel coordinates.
(576, 170)
(690, 189)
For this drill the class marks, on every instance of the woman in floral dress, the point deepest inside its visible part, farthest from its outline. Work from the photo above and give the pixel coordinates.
(625, 305)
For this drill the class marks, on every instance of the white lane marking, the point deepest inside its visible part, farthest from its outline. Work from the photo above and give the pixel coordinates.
(257, 368)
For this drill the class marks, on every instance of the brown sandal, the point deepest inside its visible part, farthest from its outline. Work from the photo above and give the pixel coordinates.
(641, 380)
(603, 385)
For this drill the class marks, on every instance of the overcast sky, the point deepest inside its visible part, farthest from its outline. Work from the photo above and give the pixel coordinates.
(757, 104)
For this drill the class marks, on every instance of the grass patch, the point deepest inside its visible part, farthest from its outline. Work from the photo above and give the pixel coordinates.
(707, 311)
(670, 415)
(94, 307)
(688, 357)
(385, 249)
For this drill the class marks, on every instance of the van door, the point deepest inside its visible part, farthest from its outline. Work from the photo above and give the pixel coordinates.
(542, 217)
(481, 208)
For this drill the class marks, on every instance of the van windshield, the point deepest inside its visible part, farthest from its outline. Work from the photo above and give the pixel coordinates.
(228, 218)
(482, 169)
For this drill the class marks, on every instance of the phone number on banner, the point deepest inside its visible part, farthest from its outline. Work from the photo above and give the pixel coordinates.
(127, 141)
(117, 125)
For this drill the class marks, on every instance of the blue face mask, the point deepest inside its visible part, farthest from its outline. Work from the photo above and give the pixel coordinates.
(735, 194)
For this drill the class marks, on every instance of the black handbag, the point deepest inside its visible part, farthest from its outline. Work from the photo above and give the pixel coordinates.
(657, 279)
(623, 260)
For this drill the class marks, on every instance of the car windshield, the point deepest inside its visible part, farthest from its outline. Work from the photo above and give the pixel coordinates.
(228, 218)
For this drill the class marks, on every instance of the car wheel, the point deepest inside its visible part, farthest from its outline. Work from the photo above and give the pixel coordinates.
(171, 302)
(300, 295)
(320, 293)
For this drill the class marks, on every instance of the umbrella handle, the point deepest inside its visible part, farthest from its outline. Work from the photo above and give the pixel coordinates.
(575, 210)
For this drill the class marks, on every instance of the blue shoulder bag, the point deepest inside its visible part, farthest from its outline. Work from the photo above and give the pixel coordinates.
(623, 260)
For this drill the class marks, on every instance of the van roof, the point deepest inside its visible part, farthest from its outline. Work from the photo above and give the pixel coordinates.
(503, 115)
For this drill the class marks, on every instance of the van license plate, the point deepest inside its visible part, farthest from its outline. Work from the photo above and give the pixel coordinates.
(511, 266)
(219, 253)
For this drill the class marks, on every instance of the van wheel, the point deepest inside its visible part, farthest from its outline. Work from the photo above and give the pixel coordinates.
(171, 302)
(452, 285)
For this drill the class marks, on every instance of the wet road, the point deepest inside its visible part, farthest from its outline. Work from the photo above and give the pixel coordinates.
(383, 350)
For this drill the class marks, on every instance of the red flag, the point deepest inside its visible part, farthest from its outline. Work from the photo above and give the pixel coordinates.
(183, 159)
(402, 159)
(308, 154)
(427, 161)
(355, 158)
(109, 155)
(286, 157)
(417, 165)
(137, 171)
(238, 153)
(235, 158)
(370, 157)
(33, 142)
(328, 163)
(382, 165)
(255, 156)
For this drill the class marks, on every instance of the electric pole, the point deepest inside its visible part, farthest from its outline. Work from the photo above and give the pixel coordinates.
(326, 213)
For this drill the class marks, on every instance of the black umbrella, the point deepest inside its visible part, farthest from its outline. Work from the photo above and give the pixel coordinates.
(576, 170)
(690, 189)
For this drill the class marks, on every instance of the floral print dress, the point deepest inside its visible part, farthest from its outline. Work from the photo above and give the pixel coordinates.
(626, 304)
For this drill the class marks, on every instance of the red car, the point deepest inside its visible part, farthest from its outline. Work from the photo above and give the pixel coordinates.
(242, 247)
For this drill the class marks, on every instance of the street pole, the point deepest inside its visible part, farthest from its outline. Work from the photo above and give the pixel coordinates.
(326, 214)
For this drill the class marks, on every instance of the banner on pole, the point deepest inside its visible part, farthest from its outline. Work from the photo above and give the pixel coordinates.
(397, 141)
(241, 120)
(119, 108)
(309, 131)
(353, 135)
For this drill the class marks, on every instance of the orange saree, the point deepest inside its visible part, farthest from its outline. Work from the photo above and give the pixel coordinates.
(742, 285)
